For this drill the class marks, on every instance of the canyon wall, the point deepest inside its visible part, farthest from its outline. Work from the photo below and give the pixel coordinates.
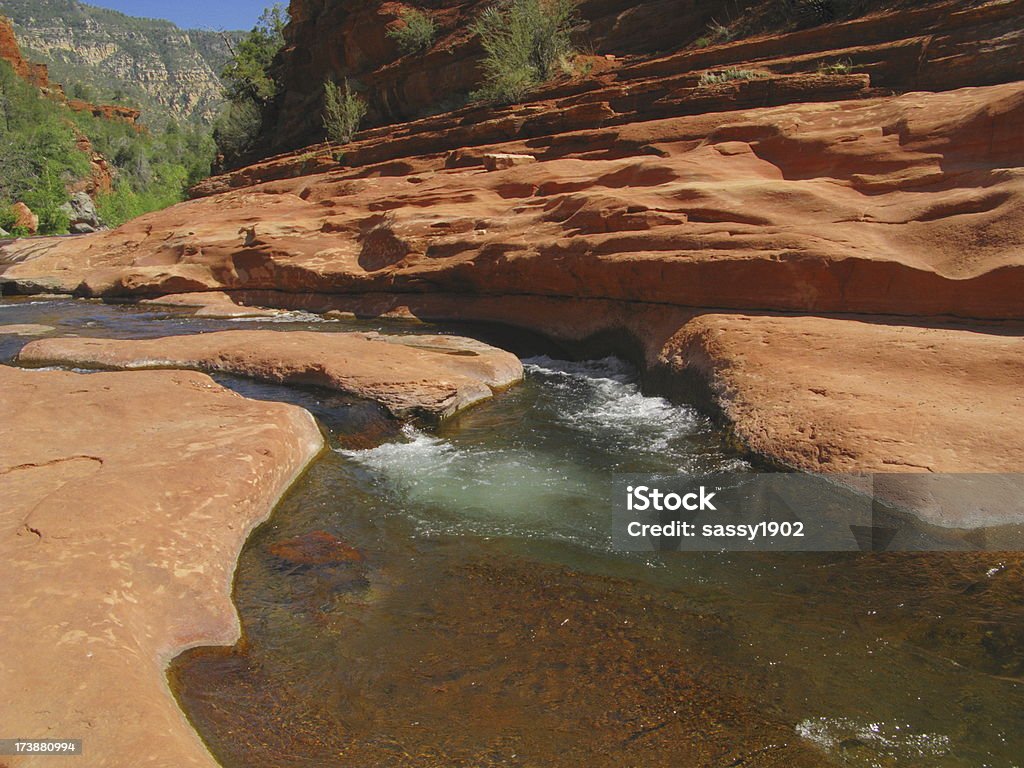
(38, 75)
(937, 46)
(167, 71)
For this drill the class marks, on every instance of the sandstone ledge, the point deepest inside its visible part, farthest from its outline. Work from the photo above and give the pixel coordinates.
(127, 498)
(426, 376)
(839, 396)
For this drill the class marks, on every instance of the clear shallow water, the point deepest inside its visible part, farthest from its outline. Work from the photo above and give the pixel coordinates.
(485, 622)
(539, 463)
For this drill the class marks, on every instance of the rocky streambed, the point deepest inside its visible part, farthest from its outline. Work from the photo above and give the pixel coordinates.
(439, 595)
(818, 263)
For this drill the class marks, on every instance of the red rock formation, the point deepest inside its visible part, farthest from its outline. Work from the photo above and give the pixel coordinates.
(859, 206)
(939, 46)
(654, 198)
(101, 176)
(143, 568)
(112, 112)
(349, 39)
(10, 51)
(32, 73)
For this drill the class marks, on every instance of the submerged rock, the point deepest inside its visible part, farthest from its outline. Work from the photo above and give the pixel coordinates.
(315, 548)
(427, 376)
(121, 527)
(211, 304)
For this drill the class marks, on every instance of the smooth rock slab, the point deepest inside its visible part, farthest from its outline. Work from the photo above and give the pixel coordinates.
(844, 396)
(426, 376)
(126, 498)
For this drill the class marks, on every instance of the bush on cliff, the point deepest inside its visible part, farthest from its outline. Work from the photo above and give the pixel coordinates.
(524, 41)
(343, 112)
(417, 32)
(729, 75)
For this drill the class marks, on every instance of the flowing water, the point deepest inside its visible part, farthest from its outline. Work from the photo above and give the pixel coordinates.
(450, 598)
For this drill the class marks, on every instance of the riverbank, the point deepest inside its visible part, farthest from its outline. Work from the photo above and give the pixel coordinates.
(122, 528)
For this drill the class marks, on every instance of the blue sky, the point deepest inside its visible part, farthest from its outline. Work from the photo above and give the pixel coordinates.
(215, 14)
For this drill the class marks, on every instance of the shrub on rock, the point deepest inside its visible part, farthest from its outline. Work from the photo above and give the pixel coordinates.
(525, 41)
(416, 33)
(343, 112)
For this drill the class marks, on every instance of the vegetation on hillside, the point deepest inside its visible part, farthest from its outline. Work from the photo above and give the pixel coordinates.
(249, 85)
(525, 41)
(39, 159)
(153, 171)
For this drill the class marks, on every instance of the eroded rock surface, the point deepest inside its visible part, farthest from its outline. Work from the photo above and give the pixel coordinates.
(429, 376)
(126, 500)
(907, 205)
(872, 167)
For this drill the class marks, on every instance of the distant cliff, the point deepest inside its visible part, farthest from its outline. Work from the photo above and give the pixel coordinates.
(151, 64)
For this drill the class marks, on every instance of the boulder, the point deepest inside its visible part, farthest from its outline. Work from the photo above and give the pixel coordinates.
(82, 215)
(24, 218)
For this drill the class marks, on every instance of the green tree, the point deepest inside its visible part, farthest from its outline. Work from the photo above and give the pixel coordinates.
(237, 129)
(247, 74)
(249, 85)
